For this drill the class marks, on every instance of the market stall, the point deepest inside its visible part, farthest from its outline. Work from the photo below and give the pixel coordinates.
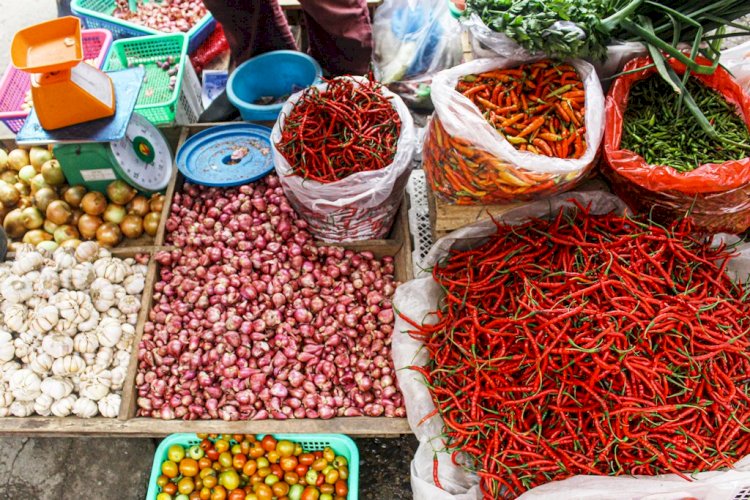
(563, 294)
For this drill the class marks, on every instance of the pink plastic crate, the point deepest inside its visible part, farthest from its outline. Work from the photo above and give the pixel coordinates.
(16, 83)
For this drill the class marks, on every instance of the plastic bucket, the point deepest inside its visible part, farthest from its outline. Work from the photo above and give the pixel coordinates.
(275, 74)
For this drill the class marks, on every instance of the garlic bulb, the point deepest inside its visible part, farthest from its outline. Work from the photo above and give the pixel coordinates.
(91, 323)
(44, 319)
(132, 319)
(108, 332)
(26, 263)
(95, 384)
(118, 377)
(56, 387)
(40, 363)
(85, 343)
(134, 284)
(71, 364)
(15, 290)
(104, 356)
(82, 275)
(103, 253)
(129, 305)
(42, 405)
(25, 385)
(64, 406)
(87, 251)
(22, 408)
(7, 349)
(84, 408)
(47, 284)
(109, 406)
(112, 269)
(64, 258)
(102, 294)
(15, 317)
(57, 345)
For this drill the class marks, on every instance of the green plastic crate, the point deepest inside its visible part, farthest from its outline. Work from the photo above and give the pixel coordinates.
(339, 443)
(155, 101)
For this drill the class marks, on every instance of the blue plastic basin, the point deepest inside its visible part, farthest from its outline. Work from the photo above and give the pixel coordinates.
(279, 73)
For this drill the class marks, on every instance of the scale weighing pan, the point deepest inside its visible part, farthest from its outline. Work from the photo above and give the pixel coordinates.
(227, 155)
(49, 46)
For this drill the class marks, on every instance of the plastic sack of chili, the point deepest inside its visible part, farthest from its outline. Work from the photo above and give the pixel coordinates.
(361, 206)
(717, 196)
(420, 297)
(467, 161)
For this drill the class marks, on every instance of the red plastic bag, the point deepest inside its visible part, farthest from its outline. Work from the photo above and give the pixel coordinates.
(717, 196)
(215, 45)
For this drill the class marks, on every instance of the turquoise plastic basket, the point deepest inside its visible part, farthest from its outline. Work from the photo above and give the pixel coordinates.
(341, 444)
(155, 101)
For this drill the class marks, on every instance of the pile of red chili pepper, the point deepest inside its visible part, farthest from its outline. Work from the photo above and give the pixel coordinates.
(589, 344)
(349, 127)
(537, 107)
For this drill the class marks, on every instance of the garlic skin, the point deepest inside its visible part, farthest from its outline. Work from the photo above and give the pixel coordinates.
(87, 251)
(64, 406)
(109, 407)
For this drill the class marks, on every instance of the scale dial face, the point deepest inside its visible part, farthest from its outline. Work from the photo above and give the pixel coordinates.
(143, 157)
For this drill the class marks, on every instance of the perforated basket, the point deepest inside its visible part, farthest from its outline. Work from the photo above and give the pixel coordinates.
(98, 14)
(15, 83)
(339, 443)
(156, 101)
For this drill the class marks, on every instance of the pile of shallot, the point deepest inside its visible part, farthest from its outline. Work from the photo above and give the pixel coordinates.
(169, 16)
(252, 320)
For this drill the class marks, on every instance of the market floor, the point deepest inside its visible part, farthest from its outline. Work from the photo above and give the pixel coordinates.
(98, 468)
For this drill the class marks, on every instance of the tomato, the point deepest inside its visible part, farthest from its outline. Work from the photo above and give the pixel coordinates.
(208, 471)
(255, 479)
(245, 447)
(295, 491)
(204, 463)
(344, 473)
(341, 488)
(271, 479)
(216, 466)
(288, 463)
(238, 461)
(332, 476)
(301, 470)
(264, 471)
(163, 496)
(221, 445)
(218, 493)
(306, 459)
(291, 477)
(297, 449)
(229, 479)
(206, 445)
(170, 488)
(212, 454)
(202, 436)
(340, 461)
(169, 469)
(210, 481)
(319, 464)
(277, 470)
(264, 492)
(263, 462)
(326, 496)
(225, 459)
(195, 452)
(327, 488)
(310, 493)
(238, 494)
(328, 454)
(320, 480)
(189, 467)
(236, 449)
(250, 467)
(198, 483)
(273, 456)
(238, 437)
(161, 481)
(186, 485)
(311, 477)
(318, 454)
(257, 451)
(280, 489)
(194, 496)
(268, 443)
(205, 493)
(285, 448)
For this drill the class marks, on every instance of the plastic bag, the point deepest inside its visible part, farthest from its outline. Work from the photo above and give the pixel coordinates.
(737, 61)
(461, 144)
(359, 207)
(414, 40)
(717, 196)
(419, 297)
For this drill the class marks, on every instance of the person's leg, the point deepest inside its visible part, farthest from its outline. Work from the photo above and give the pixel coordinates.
(340, 34)
(252, 27)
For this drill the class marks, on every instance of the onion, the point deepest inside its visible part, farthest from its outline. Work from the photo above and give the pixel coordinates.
(3, 159)
(114, 213)
(120, 192)
(44, 197)
(27, 173)
(151, 223)
(156, 204)
(94, 203)
(132, 226)
(13, 224)
(32, 218)
(36, 236)
(77, 213)
(38, 156)
(49, 246)
(22, 188)
(37, 182)
(108, 235)
(52, 173)
(49, 226)
(88, 224)
(64, 233)
(59, 212)
(18, 158)
(9, 195)
(71, 243)
(138, 206)
(74, 195)
(9, 176)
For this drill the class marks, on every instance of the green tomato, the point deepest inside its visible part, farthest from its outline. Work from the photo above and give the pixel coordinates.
(285, 448)
(182, 497)
(311, 477)
(165, 496)
(262, 462)
(229, 479)
(271, 479)
(195, 452)
(295, 492)
(340, 461)
(325, 496)
(176, 453)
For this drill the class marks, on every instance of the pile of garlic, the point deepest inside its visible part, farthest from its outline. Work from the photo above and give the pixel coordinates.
(67, 323)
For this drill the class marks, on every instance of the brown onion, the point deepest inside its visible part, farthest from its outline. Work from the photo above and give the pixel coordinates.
(71, 243)
(156, 204)
(18, 158)
(59, 212)
(27, 173)
(151, 223)
(94, 203)
(37, 183)
(9, 195)
(108, 235)
(64, 233)
(9, 176)
(32, 218)
(77, 213)
(132, 226)
(120, 192)
(36, 236)
(44, 197)
(114, 213)
(13, 224)
(38, 156)
(50, 226)
(88, 224)
(138, 206)
(22, 188)
(73, 195)
(52, 173)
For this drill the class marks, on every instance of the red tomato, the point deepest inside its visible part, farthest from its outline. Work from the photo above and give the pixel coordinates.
(310, 493)
(301, 470)
(268, 443)
(306, 459)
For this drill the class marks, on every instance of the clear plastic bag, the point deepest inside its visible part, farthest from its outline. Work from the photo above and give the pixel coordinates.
(458, 135)
(414, 39)
(419, 297)
(359, 207)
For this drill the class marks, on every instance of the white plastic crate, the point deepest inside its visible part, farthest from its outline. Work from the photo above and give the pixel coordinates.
(419, 218)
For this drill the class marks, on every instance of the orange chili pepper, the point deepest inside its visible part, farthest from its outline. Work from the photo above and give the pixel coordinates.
(534, 125)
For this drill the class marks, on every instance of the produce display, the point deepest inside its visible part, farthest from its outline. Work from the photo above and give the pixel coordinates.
(252, 320)
(38, 208)
(537, 107)
(589, 344)
(347, 127)
(169, 16)
(248, 467)
(652, 120)
(67, 325)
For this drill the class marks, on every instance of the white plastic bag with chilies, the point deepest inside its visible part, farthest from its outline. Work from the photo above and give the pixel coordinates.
(359, 207)
(418, 298)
